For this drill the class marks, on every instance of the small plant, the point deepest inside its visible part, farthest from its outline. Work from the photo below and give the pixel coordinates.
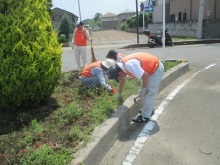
(75, 133)
(36, 127)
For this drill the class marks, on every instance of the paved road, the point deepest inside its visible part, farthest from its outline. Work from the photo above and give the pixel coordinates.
(188, 131)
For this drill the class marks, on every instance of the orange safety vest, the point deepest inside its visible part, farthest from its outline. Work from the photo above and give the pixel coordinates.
(149, 63)
(80, 37)
(87, 71)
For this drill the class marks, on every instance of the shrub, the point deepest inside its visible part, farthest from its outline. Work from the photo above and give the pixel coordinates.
(62, 39)
(123, 26)
(30, 54)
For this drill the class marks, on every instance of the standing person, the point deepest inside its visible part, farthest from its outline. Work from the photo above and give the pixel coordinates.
(79, 42)
(94, 74)
(146, 67)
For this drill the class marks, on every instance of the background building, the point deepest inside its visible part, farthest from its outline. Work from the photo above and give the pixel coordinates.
(125, 14)
(189, 10)
(158, 10)
(57, 15)
(109, 21)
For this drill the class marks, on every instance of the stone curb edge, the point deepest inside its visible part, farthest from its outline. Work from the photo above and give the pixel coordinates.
(177, 43)
(104, 136)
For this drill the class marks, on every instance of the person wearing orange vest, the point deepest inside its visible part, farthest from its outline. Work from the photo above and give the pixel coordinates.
(79, 42)
(141, 66)
(94, 74)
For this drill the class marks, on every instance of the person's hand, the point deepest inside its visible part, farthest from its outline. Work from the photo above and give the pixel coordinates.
(142, 92)
(108, 87)
(73, 46)
(119, 97)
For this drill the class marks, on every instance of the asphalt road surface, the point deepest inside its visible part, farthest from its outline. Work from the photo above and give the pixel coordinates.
(188, 131)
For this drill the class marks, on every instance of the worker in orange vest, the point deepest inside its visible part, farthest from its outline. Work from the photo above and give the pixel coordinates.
(142, 66)
(95, 74)
(79, 42)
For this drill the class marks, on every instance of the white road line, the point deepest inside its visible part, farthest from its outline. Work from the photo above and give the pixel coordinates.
(144, 134)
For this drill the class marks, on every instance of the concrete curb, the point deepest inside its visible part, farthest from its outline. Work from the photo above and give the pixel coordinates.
(177, 43)
(104, 136)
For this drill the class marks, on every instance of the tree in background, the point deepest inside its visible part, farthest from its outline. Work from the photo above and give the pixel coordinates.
(29, 53)
(131, 21)
(65, 26)
(97, 16)
(72, 27)
(90, 22)
(97, 19)
(147, 19)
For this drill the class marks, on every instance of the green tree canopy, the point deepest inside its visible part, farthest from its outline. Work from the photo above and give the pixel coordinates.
(30, 54)
(97, 16)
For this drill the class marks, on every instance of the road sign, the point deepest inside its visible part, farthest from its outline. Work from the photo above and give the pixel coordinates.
(149, 9)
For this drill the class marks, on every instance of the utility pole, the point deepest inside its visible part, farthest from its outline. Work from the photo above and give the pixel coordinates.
(79, 12)
(190, 10)
(164, 51)
(137, 22)
(200, 19)
(143, 11)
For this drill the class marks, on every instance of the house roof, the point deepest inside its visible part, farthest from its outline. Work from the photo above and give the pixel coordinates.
(109, 14)
(56, 8)
(127, 11)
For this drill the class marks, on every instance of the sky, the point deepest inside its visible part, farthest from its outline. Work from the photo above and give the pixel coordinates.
(90, 7)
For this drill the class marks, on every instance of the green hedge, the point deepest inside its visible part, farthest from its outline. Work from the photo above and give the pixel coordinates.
(30, 55)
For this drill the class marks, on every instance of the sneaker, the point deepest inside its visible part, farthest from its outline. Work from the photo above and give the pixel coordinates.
(151, 113)
(139, 119)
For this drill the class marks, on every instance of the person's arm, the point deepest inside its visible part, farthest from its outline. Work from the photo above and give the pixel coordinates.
(73, 39)
(135, 68)
(100, 74)
(88, 35)
(121, 85)
(145, 78)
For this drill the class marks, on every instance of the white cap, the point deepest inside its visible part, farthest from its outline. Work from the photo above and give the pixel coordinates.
(108, 63)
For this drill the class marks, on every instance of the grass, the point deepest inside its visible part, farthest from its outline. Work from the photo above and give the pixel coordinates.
(60, 125)
(175, 39)
(170, 64)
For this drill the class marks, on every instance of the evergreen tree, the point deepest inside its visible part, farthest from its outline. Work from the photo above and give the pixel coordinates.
(30, 54)
(65, 26)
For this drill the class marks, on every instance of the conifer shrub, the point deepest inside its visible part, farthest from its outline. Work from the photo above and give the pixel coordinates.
(30, 55)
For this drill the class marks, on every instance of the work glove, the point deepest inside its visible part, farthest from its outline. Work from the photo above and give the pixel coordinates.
(73, 46)
(113, 90)
(142, 92)
(119, 97)
(108, 87)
